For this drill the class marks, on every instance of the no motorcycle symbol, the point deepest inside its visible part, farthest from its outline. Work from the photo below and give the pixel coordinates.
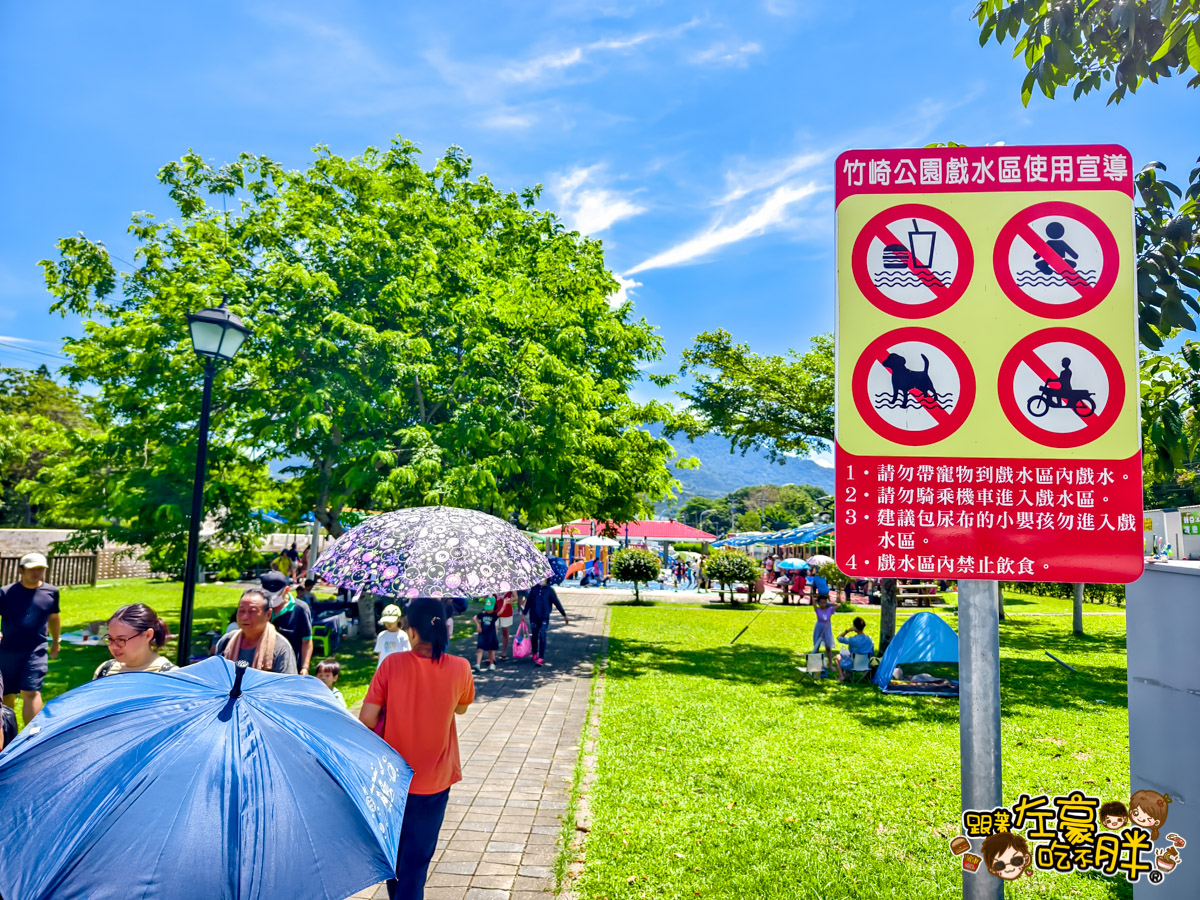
(1061, 387)
(1056, 260)
(914, 386)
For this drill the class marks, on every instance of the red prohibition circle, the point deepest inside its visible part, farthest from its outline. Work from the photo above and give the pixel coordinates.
(877, 228)
(1097, 424)
(1110, 259)
(949, 423)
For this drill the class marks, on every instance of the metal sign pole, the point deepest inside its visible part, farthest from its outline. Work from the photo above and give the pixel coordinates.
(979, 713)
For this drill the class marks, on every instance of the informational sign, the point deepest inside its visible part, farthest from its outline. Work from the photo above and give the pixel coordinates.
(1191, 522)
(987, 418)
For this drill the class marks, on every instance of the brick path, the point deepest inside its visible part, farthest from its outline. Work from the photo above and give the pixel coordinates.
(519, 742)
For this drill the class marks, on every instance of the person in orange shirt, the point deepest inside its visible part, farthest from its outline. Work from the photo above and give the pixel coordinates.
(421, 690)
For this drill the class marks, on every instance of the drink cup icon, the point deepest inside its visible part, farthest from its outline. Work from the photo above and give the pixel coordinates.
(920, 243)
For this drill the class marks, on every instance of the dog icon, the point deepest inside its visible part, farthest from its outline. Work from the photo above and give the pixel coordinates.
(906, 380)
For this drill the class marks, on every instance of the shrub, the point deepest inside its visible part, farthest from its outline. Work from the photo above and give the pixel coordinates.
(637, 565)
(729, 567)
(1093, 593)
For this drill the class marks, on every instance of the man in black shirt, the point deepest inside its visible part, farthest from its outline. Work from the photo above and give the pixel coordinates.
(291, 617)
(29, 618)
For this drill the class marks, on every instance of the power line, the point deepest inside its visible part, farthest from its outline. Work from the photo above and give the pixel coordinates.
(15, 346)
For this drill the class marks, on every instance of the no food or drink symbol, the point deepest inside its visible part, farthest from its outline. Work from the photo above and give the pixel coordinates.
(914, 386)
(912, 261)
(1061, 387)
(1056, 260)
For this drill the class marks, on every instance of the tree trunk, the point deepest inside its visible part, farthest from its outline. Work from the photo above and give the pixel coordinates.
(366, 616)
(637, 597)
(1000, 601)
(887, 612)
(1077, 612)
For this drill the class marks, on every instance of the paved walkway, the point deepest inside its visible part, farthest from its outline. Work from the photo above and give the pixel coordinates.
(519, 743)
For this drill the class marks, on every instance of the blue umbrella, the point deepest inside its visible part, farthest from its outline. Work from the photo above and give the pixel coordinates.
(791, 563)
(204, 782)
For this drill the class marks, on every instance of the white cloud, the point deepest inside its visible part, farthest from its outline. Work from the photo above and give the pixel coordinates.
(510, 118)
(750, 179)
(824, 459)
(772, 213)
(780, 7)
(622, 294)
(723, 54)
(560, 60)
(585, 205)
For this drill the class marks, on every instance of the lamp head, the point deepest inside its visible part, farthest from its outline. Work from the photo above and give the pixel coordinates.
(216, 332)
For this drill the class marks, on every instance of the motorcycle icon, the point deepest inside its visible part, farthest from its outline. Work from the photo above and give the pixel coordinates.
(1051, 395)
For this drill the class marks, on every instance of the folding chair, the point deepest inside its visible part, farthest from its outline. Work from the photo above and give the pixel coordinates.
(814, 665)
(860, 668)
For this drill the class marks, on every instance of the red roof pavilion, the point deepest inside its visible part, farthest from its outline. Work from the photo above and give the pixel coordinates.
(651, 529)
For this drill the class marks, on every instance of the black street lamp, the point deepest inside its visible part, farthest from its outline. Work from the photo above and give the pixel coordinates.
(216, 334)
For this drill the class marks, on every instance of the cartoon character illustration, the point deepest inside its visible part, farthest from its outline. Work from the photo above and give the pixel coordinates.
(1149, 810)
(1006, 855)
(1168, 858)
(1113, 815)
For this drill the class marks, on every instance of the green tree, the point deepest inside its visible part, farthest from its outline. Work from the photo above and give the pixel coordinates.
(1090, 43)
(749, 521)
(1168, 255)
(637, 565)
(38, 417)
(777, 404)
(1170, 394)
(419, 337)
(728, 567)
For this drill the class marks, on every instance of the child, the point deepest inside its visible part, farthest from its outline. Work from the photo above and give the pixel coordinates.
(823, 630)
(328, 671)
(391, 639)
(505, 621)
(485, 626)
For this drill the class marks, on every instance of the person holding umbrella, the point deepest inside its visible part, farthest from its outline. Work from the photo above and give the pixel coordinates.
(420, 693)
(135, 635)
(256, 641)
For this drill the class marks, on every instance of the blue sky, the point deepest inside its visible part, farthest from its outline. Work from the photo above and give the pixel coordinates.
(697, 140)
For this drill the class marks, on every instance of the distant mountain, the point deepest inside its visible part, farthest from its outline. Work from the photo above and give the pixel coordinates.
(722, 472)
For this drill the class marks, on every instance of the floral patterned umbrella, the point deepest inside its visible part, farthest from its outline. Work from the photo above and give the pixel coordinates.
(433, 551)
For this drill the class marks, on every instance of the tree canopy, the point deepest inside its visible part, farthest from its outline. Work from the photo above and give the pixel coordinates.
(39, 418)
(419, 336)
(1092, 43)
(778, 404)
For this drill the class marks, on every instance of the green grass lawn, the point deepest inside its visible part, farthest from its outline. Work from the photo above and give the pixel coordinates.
(724, 772)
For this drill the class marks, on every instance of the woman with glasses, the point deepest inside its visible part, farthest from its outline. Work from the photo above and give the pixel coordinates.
(135, 635)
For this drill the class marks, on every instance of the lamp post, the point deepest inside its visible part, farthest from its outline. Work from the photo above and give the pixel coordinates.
(216, 334)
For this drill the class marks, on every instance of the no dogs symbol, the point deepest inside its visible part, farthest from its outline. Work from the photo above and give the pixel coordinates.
(914, 386)
(1056, 260)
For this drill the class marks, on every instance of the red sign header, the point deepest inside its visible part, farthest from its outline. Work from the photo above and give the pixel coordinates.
(968, 169)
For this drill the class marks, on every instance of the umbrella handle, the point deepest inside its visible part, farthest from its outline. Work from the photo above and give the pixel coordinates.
(242, 666)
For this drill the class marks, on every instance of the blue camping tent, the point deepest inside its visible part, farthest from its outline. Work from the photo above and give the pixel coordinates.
(924, 638)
